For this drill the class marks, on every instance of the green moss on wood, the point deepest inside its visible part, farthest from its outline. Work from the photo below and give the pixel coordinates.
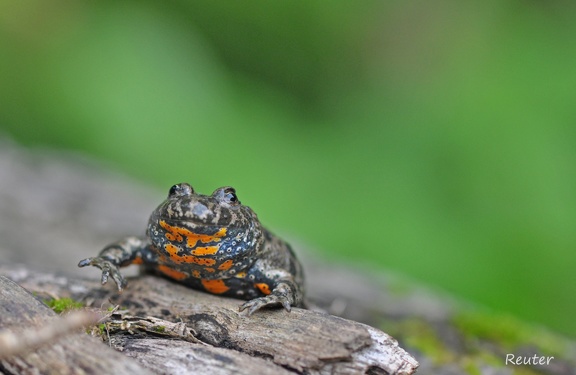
(159, 329)
(60, 305)
(419, 335)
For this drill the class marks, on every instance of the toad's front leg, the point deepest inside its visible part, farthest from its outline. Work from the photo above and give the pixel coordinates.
(131, 250)
(279, 288)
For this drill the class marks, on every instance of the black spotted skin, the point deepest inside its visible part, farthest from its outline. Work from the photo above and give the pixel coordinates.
(212, 243)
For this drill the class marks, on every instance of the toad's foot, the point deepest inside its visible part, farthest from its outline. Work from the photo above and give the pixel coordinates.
(108, 269)
(281, 295)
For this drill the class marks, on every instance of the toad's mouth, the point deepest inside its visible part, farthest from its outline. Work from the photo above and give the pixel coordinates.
(192, 223)
(199, 226)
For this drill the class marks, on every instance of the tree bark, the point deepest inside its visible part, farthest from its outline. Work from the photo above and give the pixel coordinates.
(74, 353)
(170, 328)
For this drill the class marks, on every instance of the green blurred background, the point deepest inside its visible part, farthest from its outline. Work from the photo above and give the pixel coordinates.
(437, 139)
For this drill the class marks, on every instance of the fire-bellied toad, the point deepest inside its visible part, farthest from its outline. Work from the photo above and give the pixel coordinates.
(211, 243)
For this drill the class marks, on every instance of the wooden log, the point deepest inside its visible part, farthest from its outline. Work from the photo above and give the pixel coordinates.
(76, 353)
(170, 328)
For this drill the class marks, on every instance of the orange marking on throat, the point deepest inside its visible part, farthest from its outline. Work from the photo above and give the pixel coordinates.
(177, 275)
(179, 259)
(171, 248)
(263, 287)
(215, 286)
(209, 250)
(226, 265)
(174, 233)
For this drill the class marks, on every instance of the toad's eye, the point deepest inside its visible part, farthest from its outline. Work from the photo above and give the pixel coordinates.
(230, 196)
(226, 195)
(173, 190)
(180, 190)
